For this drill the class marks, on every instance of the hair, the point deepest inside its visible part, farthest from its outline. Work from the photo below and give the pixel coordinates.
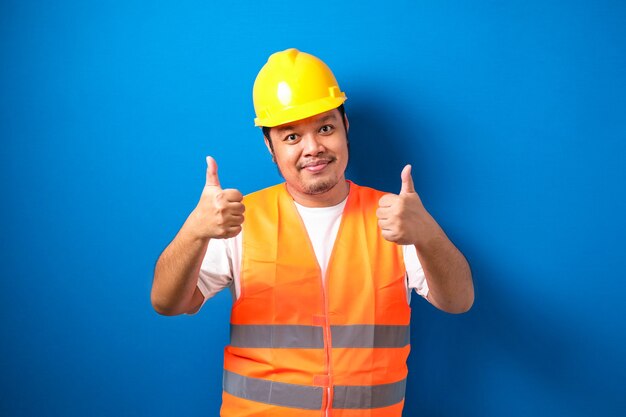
(342, 112)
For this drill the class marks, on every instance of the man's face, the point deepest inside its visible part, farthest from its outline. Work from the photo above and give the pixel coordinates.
(312, 156)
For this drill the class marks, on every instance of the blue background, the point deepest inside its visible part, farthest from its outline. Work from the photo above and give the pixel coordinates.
(513, 115)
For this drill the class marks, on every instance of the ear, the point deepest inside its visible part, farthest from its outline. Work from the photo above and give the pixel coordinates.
(345, 119)
(269, 148)
(267, 145)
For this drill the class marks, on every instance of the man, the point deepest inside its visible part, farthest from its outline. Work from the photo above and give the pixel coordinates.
(321, 269)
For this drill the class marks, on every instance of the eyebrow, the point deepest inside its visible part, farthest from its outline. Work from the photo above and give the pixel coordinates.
(325, 119)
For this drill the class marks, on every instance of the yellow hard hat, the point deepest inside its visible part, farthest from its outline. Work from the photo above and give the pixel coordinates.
(294, 85)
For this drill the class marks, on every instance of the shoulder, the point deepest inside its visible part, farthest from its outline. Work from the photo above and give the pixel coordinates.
(265, 194)
(366, 195)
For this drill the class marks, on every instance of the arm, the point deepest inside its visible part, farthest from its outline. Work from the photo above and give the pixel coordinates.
(219, 214)
(174, 289)
(447, 272)
(404, 220)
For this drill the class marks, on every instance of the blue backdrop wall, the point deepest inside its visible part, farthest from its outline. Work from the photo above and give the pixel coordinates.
(513, 115)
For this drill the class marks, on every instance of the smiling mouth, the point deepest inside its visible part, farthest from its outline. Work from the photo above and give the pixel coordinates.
(317, 165)
(316, 168)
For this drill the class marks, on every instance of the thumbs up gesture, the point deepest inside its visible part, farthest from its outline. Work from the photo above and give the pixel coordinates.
(219, 213)
(402, 218)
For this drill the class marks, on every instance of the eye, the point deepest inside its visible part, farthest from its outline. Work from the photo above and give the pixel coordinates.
(291, 138)
(327, 129)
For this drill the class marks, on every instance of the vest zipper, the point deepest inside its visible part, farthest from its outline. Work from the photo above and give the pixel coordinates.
(327, 334)
(323, 282)
(327, 346)
(326, 325)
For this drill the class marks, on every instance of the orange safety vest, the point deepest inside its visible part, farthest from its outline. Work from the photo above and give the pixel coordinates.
(301, 347)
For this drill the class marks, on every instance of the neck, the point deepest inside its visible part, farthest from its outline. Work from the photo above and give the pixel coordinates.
(328, 198)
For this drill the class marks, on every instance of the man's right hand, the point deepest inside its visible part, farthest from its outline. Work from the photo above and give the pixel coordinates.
(219, 213)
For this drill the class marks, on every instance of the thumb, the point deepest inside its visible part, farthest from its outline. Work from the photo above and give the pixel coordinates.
(211, 172)
(407, 181)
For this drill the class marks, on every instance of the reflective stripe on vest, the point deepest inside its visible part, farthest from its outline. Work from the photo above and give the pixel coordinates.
(275, 393)
(310, 397)
(370, 336)
(312, 337)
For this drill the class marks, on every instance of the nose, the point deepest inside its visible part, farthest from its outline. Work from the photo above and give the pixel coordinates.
(312, 145)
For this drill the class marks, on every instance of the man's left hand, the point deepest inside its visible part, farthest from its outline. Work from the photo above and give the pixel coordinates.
(402, 217)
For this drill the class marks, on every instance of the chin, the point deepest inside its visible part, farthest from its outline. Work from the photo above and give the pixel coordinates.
(319, 187)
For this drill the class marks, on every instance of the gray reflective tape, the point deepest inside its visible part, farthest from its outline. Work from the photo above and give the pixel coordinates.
(370, 336)
(276, 336)
(275, 393)
(375, 396)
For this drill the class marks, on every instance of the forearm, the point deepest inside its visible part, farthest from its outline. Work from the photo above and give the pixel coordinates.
(447, 272)
(176, 272)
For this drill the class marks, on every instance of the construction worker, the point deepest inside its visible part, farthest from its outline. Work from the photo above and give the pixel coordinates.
(321, 269)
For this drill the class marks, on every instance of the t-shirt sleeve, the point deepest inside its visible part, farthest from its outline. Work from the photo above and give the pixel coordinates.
(216, 271)
(415, 272)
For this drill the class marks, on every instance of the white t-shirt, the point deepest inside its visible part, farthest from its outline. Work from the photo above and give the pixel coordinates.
(221, 265)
